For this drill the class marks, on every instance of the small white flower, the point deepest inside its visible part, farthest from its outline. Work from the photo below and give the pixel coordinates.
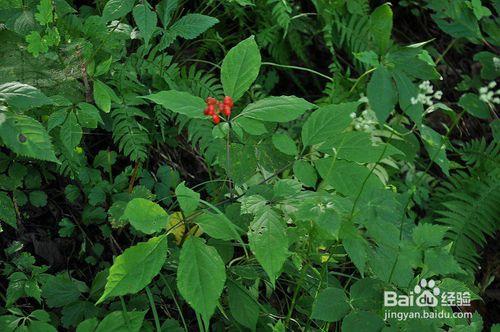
(357, 126)
(496, 100)
(492, 84)
(414, 100)
(353, 115)
(438, 95)
(484, 98)
(483, 90)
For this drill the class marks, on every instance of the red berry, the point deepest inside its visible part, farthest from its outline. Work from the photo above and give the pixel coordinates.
(206, 111)
(216, 118)
(220, 106)
(211, 101)
(209, 110)
(228, 101)
(227, 110)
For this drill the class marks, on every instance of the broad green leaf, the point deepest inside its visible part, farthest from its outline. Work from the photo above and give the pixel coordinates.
(191, 26)
(45, 12)
(269, 242)
(406, 91)
(381, 27)
(330, 305)
(88, 325)
(285, 144)
(362, 321)
(428, 235)
(27, 137)
(146, 216)
(251, 126)
(115, 9)
(435, 145)
(474, 106)
(243, 306)
(240, 68)
(277, 109)
(71, 133)
(38, 198)
(355, 245)
(218, 226)
(305, 172)
(180, 102)
(188, 199)
(117, 321)
(60, 290)
(200, 276)
(165, 10)
(146, 20)
(88, 115)
(135, 268)
(357, 146)
(7, 210)
(367, 294)
(101, 96)
(36, 44)
(103, 67)
(22, 96)
(395, 264)
(346, 177)
(438, 261)
(382, 93)
(327, 122)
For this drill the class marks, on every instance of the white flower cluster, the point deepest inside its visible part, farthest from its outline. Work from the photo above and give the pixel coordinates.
(487, 94)
(426, 94)
(366, 121)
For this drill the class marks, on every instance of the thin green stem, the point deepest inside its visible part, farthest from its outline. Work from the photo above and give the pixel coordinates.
(153, 309)
(125, 312)
(175, 301)
(298, 68)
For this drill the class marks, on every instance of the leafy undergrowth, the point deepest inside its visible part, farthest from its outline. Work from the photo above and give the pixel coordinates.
(264, 165)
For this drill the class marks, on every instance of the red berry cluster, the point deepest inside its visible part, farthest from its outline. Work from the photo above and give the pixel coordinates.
(214, 108)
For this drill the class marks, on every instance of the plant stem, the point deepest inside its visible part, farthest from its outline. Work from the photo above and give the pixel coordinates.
(298, 68)
(125, 313)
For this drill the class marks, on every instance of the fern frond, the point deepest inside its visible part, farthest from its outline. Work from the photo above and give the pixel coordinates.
(199, 83)
(281, 13)
(132, 138)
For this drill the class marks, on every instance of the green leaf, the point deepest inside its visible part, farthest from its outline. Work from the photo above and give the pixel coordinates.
(180, 102)
(88, 115)
(428, 235)
(406, 91)
(285, 144)
(474, 106)
(146, 216)
(240, 68)
(357, 146)
(362, 321)
(71, 133)
(330, 305)
(200, 276)
(27, 137)
(191, 26)
(367, 294)
(438, 261)
(165, 10)
(218, 226)
(381, 27)
(277, 109)
(120, 321)
(346, 177)
(327, 122)
(243, 306)
(38, 198)
(135, 268)
(60, 290)
(22, 96)
(305, 173)
(103, 67)
(381, 93)
(101, 96)
(44, 13)
(7, 210)
(115, 9)
(88, 325)
(146, 20)
(251, 126)
(435, 145)
(36, 44)
(269, 242)
(188, 199)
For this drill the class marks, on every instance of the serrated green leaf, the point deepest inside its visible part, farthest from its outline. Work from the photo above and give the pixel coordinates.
(269, 242)
(191, 26)
(101, 96)
(88, 115)
(146, 216)
(285, 144)
(7, 210)
(244, 308)
(135, 268)
(200, 276)
(218, 226)
(27, 137)
(71, 133)
(60, 290)
(330, 305)
(382, 93)
(120, 321)
(327, 122)
(381, 27)
(188, 199)
(38, 198)
(305, 172)
(22, 96)
(240, 68)
(146, 20)
(180, 102)
(362, 321)
(115, 9)
(276, 109)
